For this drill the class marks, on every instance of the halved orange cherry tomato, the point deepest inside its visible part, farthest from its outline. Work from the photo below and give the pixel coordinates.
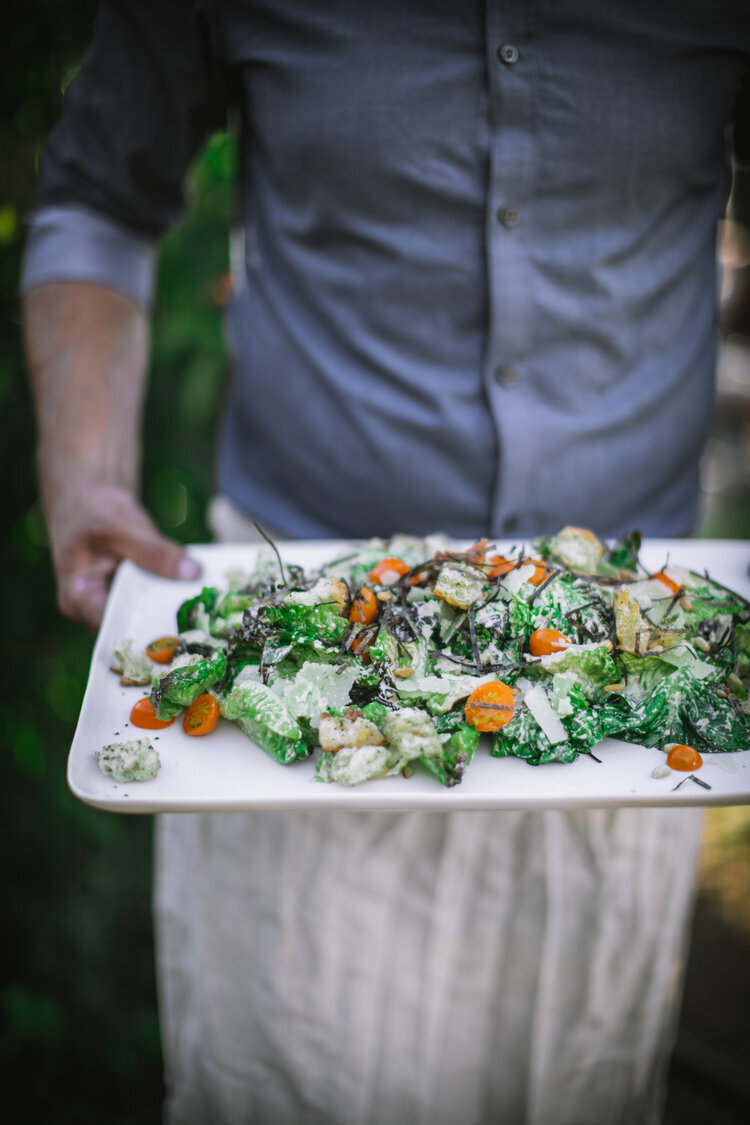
(673, 586)
(500, 566)
(490, 706)
(543, 642)
(201, 716)
(364, 606)
(540, 573)
(163, 649)
(388, 571)
(144, 715)
(684, 757)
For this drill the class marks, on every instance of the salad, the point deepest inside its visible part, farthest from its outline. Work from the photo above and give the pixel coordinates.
(400, 655)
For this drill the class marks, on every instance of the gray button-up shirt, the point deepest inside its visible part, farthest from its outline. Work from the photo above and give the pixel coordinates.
(479, 291)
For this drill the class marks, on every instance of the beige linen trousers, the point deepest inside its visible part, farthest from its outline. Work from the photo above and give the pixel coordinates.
(513, 968)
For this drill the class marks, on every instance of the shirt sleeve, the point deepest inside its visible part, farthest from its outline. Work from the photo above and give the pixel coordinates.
(151, 88)
(73, 243)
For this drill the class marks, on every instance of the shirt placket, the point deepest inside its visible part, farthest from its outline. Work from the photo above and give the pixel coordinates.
(510, 68)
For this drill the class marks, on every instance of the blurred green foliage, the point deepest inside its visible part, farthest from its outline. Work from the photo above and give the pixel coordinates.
(79, 1035)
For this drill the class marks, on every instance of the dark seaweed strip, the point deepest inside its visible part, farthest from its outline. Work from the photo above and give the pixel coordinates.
(732, 701)
(385, 620)
(603, 580)
(492, 706)
(454, 659)
(436, 562)
(675, 598)
(415, 572)
(721, 586)
(473, 636)
(691, 777)
(543, 585)
(578, 608)
(407, 619)
(196, 648)
(493, 596)
(581, 627)
(593, 755)
(698, 781)
(612, 634)
(501, 669)
(274, 548)
(367, 636)
(414, 630)
(721, 643)
(344, 646)
(497, 667)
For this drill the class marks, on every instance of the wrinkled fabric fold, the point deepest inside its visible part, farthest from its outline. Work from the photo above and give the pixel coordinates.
(370, 968)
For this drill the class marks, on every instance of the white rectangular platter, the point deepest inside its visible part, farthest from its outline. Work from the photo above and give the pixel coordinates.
(226, 772)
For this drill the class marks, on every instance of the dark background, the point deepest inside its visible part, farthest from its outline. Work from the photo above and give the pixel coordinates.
(79, 1036)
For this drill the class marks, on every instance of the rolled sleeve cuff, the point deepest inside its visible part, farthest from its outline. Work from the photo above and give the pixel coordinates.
(73, 243)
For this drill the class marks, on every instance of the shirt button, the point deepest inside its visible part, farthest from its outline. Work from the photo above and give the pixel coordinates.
(510, 524)
(508, 54)
(505, 375)
(508, 217)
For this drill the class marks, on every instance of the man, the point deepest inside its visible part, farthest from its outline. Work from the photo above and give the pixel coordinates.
(478, 296)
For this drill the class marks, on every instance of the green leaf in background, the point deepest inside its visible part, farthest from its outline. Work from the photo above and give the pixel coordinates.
(79, 1035)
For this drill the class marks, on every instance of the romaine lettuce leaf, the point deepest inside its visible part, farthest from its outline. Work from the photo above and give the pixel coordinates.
(316, 688)
(182, 685)
(259, 712)
(194, 613)
(522, 737)
(456, 757)
(591, 664)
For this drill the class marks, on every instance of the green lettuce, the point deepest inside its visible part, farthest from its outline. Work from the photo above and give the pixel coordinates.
(265, 719)
(195, 612)
(522, 737)
(592, 666)
(182, 685)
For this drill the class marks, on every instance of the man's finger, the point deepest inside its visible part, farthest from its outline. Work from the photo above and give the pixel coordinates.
(159, 555)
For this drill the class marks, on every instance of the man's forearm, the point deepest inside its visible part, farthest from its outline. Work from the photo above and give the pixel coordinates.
(86, 348)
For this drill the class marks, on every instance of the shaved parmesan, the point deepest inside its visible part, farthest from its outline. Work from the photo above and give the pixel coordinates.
(535, 698)
(514, 579)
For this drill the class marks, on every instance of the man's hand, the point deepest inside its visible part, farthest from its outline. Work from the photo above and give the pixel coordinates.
(86, 348)
(92, 529)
